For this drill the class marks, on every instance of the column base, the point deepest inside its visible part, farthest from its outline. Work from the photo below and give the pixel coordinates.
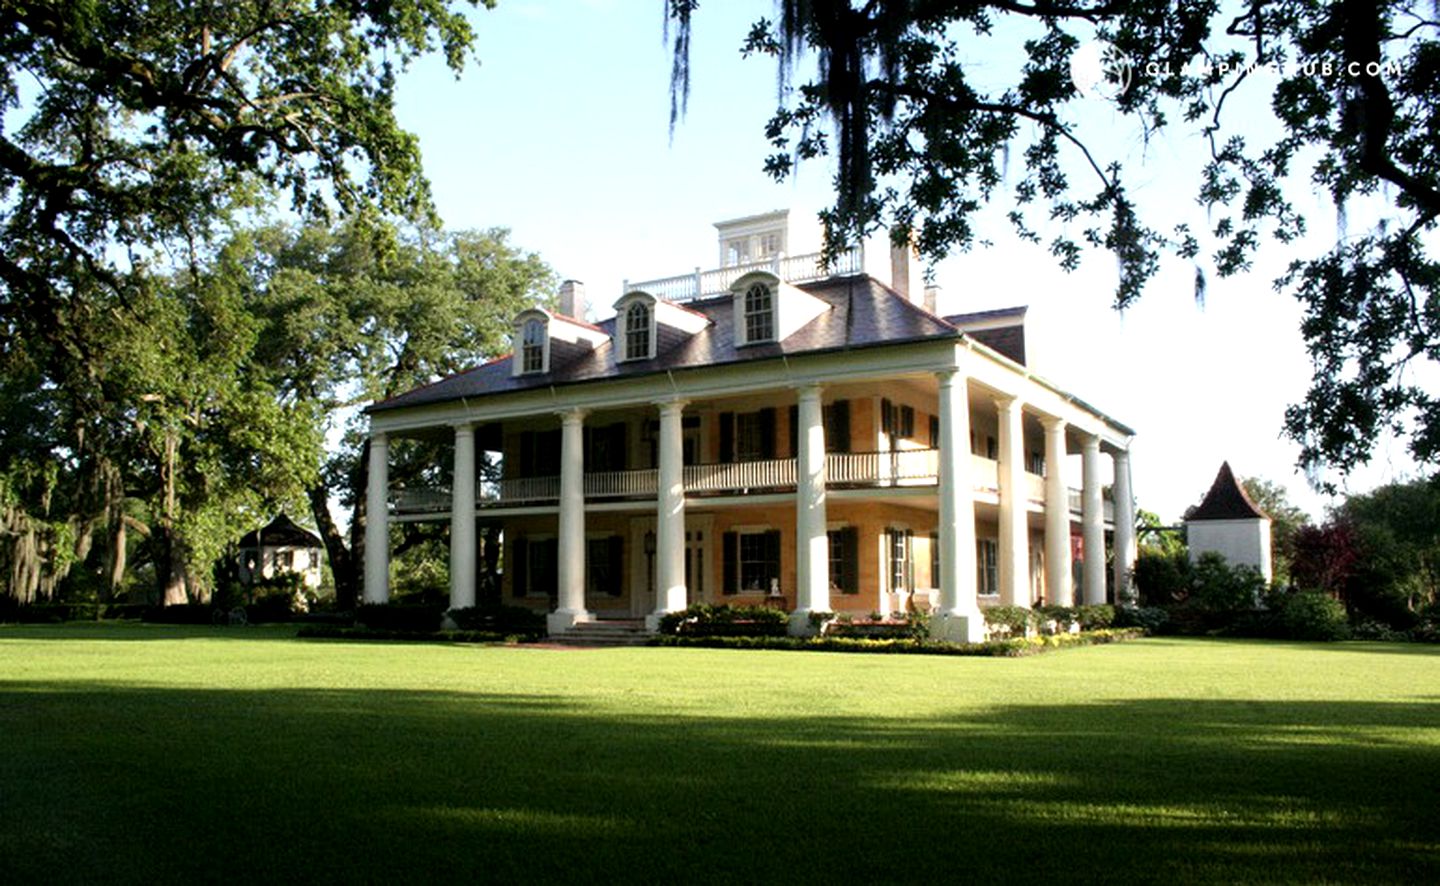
(802, 626)
(562, 620)
(958, 627)
(652, 621)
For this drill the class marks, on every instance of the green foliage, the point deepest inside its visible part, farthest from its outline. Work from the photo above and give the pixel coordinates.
(1218, 587)
(1285, 520)
(416, 618)
(1095, 616)
(499, 619)
(1006, 648)
(707, 620)
(1008, 621)
(1151, 619)
(1311, 616)
(1162, 577)
(925, 126)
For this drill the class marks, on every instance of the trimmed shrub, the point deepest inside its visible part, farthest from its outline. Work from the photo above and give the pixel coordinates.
(1063, 616)
(1216, 586)
(1314, 616)
(1152, 619)
(1162, 578)
(1013, 647)
(705, 620)
(499, 619)
(1094, 617)
(1009, 621)
(395, 617)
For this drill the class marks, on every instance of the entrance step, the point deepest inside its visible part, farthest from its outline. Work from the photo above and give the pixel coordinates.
(609, 632)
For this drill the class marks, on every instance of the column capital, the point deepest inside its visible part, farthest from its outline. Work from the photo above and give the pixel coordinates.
(379, 438)
(808, 390)
(1090, 442)
(946, 377)
(573, 416)
(1007, 401)
(671, 405)
(1121, 456)
(464, 427)
(1053, 423)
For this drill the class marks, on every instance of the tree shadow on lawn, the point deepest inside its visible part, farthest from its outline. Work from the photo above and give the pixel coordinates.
(124, 783)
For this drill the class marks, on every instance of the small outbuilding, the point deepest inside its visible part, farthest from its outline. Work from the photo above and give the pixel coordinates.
(1228, 523)
(278, 547)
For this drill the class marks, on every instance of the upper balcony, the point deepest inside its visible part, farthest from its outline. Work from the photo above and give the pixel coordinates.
(843, 470)
(789, 268)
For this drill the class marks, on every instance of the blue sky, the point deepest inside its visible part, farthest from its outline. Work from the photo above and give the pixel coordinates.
(561, 134)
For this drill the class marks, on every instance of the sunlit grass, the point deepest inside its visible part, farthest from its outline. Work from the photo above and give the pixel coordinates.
(142, 753)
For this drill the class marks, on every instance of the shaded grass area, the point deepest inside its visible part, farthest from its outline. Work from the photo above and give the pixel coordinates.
(226, 756)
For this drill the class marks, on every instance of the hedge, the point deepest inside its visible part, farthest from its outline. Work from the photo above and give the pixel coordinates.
(1011, 648)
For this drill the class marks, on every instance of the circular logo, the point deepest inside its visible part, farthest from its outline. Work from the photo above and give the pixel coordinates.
(1099, 70)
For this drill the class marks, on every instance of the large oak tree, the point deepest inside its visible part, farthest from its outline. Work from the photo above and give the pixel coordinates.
(903, 100)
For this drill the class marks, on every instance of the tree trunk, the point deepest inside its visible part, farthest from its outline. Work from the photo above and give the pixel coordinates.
(342, 563)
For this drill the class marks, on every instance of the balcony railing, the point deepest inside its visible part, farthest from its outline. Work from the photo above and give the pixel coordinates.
(844, 470)
(790, 268)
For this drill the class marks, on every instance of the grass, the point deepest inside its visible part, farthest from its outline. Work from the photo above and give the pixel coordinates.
(137, 753)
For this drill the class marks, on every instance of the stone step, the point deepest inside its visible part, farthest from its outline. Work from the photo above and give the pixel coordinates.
(611, 632)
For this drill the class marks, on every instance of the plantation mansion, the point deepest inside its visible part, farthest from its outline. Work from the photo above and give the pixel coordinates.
(773, 432)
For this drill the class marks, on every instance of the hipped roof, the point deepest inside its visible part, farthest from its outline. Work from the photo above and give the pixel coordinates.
(1227, 500)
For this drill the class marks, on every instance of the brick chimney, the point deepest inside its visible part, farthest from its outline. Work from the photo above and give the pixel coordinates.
(572, 299)
(932, 299)
(905, 270)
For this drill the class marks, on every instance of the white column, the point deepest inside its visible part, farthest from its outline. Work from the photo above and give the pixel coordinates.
(462, 520)
(958, 617)
(1092, 519)
(1124, 527)
(812, 546)
(670, 516)
(1014, 498)
(377, 522)
(1058, 590)
(570, 548)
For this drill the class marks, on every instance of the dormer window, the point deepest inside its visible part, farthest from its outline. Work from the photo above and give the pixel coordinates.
(532, 346)
(759, 313)
(639, 331)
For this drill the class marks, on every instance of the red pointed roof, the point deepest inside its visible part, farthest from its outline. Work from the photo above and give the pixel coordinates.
(1226, 500)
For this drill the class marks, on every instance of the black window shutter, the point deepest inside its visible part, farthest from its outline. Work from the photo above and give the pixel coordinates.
(794, 431)
(887, 416)
(934, 559)
(727, 437)
(618, 446)
(587, 450)
(934, 432)
(552, 573)
(547, 462)
(767, 432)
(772, 556)
(907, 422)
(837, 430)
(909, 560)
(519, 554)
(730, 553)
(849, 579)
(617, 565)
(527, 454)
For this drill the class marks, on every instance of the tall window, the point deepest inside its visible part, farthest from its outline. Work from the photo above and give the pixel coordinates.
(751, 561)
(987, 565)
(532, 347)
(844, 560)
(637, 331)
(759, 314)
(902, 573)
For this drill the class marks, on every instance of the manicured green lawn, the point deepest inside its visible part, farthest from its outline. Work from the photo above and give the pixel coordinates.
(142, 753)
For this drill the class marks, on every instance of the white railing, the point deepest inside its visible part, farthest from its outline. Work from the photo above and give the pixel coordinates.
(518, 489)
(621, 483)
(790, 268)
(421, 501)
(1035, 486)
(740, 476)
(985, 474)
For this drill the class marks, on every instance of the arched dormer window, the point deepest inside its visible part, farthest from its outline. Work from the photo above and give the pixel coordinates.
(758, 313)
(532, 346)
(639, 331)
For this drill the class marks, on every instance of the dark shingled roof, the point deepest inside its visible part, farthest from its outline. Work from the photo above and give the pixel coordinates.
(863, 313)
(280, 532)
(1226, 500)
(1002, 330)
